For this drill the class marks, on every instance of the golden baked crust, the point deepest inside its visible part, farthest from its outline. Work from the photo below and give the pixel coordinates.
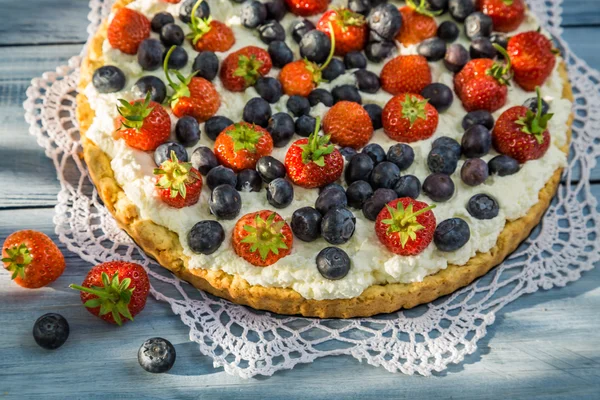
(165, 247)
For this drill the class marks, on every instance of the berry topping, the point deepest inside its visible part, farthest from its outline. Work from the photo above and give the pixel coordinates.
(203, 159)
(306, 224)
(153, 85)
(281, 127)
(270, 168)
(482, 47)
(315, 46)
(533, 58)
(456, 57)
(108, 79)
(206, 237)
(242, 68)
(482, 206)
(225, 202)
(337, 225)
(280, 193)
(269, 89)
(433, 49)
(405, 74)
(253, 14)
(478, 117)
(159, 20)
(156, 355)
(418, 23)
(474, 172)
(178, 183)
(439, 187)
(271, 31)
(373, 206)
(359, 168)
(220, 175)
(298, 105)
(240, 145)
(350, 29)
(334, 69)
(385, 21)
(451, 234)
(374, 112)
(329, 199)
(306, 8)
(187, 131)
(442, 159)
(305, 125)
(249, 180)
(506, 15)
(503, 165)
(51, 331)
(439, 95)
(355, 59)
(280, 53)
(257, 111)
(367, 81)
(478, 25)
(445, 141)
(408, 186)
(216, 125)
(172, 35)
(348, 124)
(300, 28)
(127, 30)
(163, 152)
(143, 124)
(375, 151)
(461, 9)
(402, 155)
(409, 117)
(206, 65)
(333, 263)
(357, 193)
(201, 12)
(448, 31)
(320, 96)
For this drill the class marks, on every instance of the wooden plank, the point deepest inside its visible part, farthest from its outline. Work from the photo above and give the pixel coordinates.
(581, 12)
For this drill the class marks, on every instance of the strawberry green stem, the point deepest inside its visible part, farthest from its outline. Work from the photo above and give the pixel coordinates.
(501, 72)
(403, 221)
(535, 124)
(18, 258)
(332, 50)
(317, 147)
(422, 8)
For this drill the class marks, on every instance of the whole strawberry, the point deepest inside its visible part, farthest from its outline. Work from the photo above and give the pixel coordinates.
(240, 145)
(209, 35)
(405, 226)
(349, 29)
(313, 162)
(178, 183)
(306, 8)
(506, 15)
(192, 96)
(127, 30)
(532, 57)
(522, 134)
(143, 124)
(241, 69)
(348, 124)
(262, 238)
(32, 258)
(418, 23)
(409, 117)
(115, 290)
(405, 74)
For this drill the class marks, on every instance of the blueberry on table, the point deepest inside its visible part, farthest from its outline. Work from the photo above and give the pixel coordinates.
(439, 95)
(376, 202)
(433, 49)
(257, 111)
(474, 172)
(220, 175)
(159, 20)
(385, 20)
(408, 186)
(185, 11)
(379, 51)
(375, 151)
(269, 168)
(503, 165)
(333, 70)
(355, 59)
(482, 47)
(439, 187)
(359, 168)
(206, 237)
(203, 159)
(300, 28)
(108, 79)
(358, 193)
(298, 105)
(483, 206)
(163, 152)
(157, 355)
(187, 131)
(320, 96)
(215, 125)
(367, 81)
(531, 103)
(150, 54)
(456, 57)
(50, 331)
(248, 180)
(269, 88)
(448, 31)
(478, 117)
(461, 9)
(276, 9)
(476, 141)
(206, 64)
(402, 155)
(271, 31)
(329, 199)
(451, 234)
(478, 25)
(306, 224)
(280, 53)
(333, 263)
(172, 35)
(315, 46)
(348, 152)
(375, 111)
(280, 193)
(385, 175)
(445, 141)
(346, 93)
(281, 127)
(152, 84)
(178, 58)
(225, 202)
(442, 159)
(360, 6)
(305, 125)
(337, 226)
(253, 14)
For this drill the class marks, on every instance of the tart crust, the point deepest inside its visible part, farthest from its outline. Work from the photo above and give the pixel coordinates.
(165, 247)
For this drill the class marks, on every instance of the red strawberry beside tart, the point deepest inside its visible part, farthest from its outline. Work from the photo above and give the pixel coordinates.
(330, 160)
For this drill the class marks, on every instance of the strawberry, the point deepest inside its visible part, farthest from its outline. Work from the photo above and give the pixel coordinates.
(178, 183)
(409, 117)
(242, 68)
(522, 134)
(306, 8)
(127, 30)
(33, 259)
(348, 124)
(113, 290)
(143, 124)
(532, 58)
(192, 96)
(506, 15)
(262, 238)
(240, 146)
(349, 29)
(417, 23)
(313, 162)
(405, 226)
(209, 35)
(405, 74)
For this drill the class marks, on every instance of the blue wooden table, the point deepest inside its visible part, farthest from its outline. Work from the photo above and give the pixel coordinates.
(542, 345)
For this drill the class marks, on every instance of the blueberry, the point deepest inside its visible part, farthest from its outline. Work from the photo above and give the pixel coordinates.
(157, 355)
(172, 35)
(276, 9)
(220, 175)
(375, 151)
(448, 31)
(375, 203)
(439, 95)
(460, 9)
(187, 131)
(531, 103)
(445, 141)
(374, 112)
(442, 159)
(367, 81)
(306, 224)
(360, 6)
(385, 20)
(225, 202)
(438, 5)
(108, 79)
(320, 96)
(51, 331)
(185, 11)
(439, 187)
(503, 165)
(379, 51)
(281, 127)
(206, 237)
(253, 14)
(257, 111)
(271, 31)
(347, 93)
(337, 226)
(355, 59)
(315, 46)
(433, 49)
(163, 152)
(280, 53)
(300, 28)
(456, 57)
(269, 168)
(329, 199)
(332, 186)
(203, 159)
(501, 39)
(385, 175)
(280, 193)
(476, 141)
(359, 168)
(333, 70)
(248, 180)
(348, 152)
(482, 206)
(478, 117)
(408, 186)
(269, 88)
(357, 193)
(215, 125)
(207, 65)
(298, 105)
(402, 155)
(478, 25)
(333, 263)
(152, 84)
(305, 125)
(482, 47)
(161, 19)
(178, 59)
(451, 234)
(474, 172)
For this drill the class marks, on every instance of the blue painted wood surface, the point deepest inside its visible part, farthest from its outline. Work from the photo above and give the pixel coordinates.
(542, 345)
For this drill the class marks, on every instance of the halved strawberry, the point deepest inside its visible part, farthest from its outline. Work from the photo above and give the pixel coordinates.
(178, 183)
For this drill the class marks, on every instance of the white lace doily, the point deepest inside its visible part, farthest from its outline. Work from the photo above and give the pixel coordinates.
(426, 339)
